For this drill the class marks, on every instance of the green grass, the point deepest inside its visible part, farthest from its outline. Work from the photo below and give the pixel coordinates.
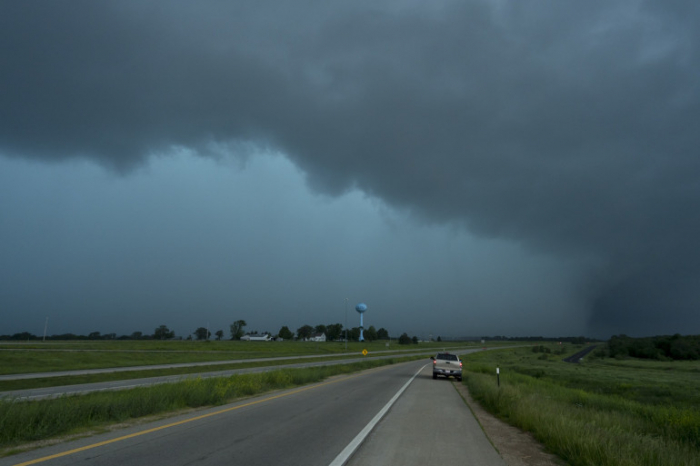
(28, 421)
(81, 355)
(43, 382)
(30, 357)
(600, 412)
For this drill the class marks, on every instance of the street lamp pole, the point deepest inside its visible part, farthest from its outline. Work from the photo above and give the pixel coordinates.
(346, 325)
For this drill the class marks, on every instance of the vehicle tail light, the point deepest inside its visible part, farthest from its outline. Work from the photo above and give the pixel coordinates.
(460, 364)
(434, 362)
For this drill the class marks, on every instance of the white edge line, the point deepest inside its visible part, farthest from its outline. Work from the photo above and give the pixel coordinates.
(347, 452)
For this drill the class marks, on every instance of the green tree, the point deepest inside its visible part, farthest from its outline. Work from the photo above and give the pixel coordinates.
(334, 332)
(285, 333)
(202, 333)
(321, 329)
(683, 348)
(382, 334)
(219, 335)
(439, 338)
(414, 340)
(163, 333)
(237, 329)
(404, 339)
(136, 335)
(304, 332)
(371, 333)
(354, 334)
(26, 336)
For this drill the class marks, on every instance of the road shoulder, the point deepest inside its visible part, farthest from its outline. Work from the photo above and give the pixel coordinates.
(429, 424)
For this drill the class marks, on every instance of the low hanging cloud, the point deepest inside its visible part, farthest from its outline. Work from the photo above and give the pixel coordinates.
(568, 128)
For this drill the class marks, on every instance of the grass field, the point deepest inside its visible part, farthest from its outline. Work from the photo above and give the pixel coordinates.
(33, 357)
(30, 357)
(42, 382)
(600, 412)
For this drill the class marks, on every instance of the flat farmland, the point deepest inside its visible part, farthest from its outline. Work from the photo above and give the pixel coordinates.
(34, 357)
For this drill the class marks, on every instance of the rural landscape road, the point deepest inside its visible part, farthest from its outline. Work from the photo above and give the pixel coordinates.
(43, 375)
(48, 392)
(320, 424)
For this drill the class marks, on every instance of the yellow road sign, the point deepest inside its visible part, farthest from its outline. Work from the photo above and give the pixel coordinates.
(364, 352)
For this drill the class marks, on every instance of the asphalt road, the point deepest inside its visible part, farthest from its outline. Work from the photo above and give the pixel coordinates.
(322, 424)
(576, 358)
(429, 425)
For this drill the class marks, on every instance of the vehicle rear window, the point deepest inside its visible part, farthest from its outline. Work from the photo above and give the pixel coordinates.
(448, 357)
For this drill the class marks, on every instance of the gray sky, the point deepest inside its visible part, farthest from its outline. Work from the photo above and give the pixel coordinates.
(464, 168)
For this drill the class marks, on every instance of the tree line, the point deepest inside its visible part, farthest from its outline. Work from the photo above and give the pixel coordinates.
(573, 340)
(333, 332)
(664, 347)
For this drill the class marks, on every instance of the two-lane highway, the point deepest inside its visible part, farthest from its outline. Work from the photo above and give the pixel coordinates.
(307, 426)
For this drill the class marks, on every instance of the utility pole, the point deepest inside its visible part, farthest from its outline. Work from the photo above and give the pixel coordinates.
(46, 326)
(346, 325)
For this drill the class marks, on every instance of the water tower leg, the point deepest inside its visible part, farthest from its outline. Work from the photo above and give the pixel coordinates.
(362, 329)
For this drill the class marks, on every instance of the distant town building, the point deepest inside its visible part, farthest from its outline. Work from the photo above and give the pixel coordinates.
(255, 337)
(317, 337)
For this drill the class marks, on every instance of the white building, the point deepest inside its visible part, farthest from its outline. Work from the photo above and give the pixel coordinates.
(317, 337)
(263, 337)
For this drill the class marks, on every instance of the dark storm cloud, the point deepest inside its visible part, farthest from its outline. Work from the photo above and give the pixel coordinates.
(568, 128)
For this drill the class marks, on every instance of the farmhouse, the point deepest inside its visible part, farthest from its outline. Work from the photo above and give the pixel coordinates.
(317, 337)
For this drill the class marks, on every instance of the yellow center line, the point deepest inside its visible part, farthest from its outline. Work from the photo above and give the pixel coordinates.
(203, 416)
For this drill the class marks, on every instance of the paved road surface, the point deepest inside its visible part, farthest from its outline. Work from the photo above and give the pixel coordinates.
(429, 425)
(576, 358)
(308, 426)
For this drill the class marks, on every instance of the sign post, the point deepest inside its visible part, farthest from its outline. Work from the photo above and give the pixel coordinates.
(498, 376)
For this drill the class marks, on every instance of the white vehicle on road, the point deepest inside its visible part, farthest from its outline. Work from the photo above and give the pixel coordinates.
(447, 364)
